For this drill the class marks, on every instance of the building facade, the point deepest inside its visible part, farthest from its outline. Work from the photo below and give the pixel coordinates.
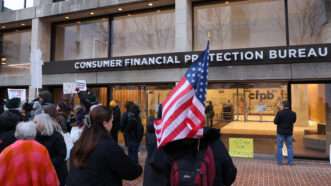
(262, 53)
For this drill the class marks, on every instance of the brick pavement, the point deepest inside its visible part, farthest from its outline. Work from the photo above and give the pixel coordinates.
(260, 172)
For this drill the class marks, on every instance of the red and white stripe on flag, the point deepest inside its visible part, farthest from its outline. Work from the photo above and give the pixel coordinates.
(183, 115)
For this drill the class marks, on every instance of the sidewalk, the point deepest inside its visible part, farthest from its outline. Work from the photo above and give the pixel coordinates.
(256, 172)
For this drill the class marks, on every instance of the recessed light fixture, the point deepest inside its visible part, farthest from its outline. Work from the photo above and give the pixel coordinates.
(92, 13)
(3, 63)
(158, 11)
(129, 15)
(120, 9)
(78, 22)
(22, 24)
(66, 17)
(150, 4)
(3, 27)
(3, 59)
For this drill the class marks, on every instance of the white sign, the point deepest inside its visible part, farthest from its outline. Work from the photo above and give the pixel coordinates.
(69, 88)
(36, 69)
(81, 85)
(17, 93)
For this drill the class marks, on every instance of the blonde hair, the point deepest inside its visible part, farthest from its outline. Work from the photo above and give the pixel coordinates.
(47, 122)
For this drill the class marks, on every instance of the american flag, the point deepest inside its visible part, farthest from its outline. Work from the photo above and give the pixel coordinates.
(183, 114)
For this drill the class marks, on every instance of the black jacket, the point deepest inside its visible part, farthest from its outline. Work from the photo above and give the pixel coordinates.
(161, 160)
(116, 121)
(285, 120)
(57, 150)
(106, 166)
(8, 122)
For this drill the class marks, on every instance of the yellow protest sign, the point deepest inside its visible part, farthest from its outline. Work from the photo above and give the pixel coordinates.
(241, 147)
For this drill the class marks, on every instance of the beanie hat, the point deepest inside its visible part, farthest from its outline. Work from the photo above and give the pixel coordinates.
(13, 103)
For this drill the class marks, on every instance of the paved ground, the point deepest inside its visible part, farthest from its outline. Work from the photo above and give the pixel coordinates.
(268, 173)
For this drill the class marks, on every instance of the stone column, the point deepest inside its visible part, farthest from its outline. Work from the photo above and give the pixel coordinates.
(183, 21)
(328, 116)
(40, 41)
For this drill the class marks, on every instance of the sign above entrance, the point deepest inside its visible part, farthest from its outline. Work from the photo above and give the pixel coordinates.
(247, 56)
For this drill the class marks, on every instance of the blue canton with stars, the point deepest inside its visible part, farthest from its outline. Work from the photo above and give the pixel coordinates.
(197, 75)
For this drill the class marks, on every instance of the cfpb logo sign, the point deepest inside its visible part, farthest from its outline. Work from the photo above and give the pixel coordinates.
(261, 95)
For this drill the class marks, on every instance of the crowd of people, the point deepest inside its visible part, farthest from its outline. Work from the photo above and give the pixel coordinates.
(48, 144)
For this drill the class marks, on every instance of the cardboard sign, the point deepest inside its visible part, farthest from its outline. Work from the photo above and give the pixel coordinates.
(17, 93)
(81, 84)
(69, 88)
(241, 147)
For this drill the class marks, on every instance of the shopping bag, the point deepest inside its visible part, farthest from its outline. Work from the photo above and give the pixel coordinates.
(284, 150)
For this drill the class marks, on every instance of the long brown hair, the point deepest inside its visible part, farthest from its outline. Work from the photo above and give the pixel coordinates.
(92, 133)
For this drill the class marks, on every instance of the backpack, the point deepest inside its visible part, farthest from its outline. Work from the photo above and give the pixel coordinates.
(196, 170)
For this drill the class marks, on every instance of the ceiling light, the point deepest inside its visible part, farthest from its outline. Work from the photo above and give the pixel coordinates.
(150, 4)
(78, 22)
(120, 9)
(22, 24)
(67, 17)
(3, 59)
(3, 27)
(3, 63)
(158, 11)
(92, 13)
(129, 15)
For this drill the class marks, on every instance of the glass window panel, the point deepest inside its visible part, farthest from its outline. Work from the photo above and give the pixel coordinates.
(145, 33)
(15, 51)
(309, 21)
(240, 24)
(13, 4)
(29, 3)
(82, 40)
(311, 102)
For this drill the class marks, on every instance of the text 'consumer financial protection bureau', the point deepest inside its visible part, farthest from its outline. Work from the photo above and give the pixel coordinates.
(246, 56)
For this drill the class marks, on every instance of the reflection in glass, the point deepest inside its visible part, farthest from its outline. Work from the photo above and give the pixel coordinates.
(309, 21)
(82, 40)
(15, 52)
(17, 4)
(240, 24)
(143, 33)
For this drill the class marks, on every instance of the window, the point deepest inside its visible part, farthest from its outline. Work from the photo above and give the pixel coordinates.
(241, 24)
(309, 21)
(311, 102)
(15, 51)
(143, 33)
(82, 40)
(16, 4)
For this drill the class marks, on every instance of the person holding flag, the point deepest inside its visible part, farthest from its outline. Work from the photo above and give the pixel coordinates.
(187, 152)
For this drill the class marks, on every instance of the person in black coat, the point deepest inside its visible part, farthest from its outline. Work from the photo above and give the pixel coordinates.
(96, 160)
(54, 143)
(116, 120)
(285, 120)
(133, 130)
(8, 121)
(161, 160)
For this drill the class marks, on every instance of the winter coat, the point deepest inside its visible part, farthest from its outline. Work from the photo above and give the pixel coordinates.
(285, 120)
(29, 161)
(150, 137)
(161, 160)
(116, 121)
(57, 150)
(106, 166)
(131, 130)
(8, 122)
